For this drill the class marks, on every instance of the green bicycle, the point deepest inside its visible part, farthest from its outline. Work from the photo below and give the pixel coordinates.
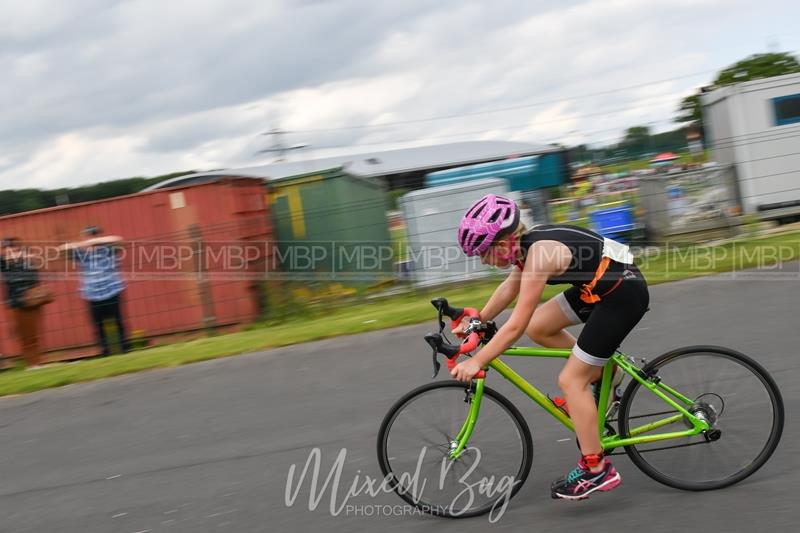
(696, 418)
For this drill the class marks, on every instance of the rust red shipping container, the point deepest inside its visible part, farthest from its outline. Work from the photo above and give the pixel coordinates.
(192, 258)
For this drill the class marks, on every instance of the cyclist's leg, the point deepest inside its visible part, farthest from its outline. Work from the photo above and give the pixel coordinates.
(547, 324)
(575, 382)
(593, 472)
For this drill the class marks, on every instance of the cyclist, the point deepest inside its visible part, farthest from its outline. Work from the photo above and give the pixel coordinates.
(608, 294)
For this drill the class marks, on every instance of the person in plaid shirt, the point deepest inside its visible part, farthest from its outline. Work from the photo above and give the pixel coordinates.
(101, 283)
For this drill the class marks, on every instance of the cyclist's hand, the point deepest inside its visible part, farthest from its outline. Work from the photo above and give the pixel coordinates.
(465, 370)
(462, 326)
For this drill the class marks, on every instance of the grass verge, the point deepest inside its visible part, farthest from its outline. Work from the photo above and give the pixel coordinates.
(659, 267)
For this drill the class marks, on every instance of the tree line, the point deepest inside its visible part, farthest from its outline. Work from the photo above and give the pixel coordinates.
(21, 200)
(639, 141)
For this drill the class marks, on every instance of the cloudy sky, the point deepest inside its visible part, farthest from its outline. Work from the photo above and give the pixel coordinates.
(102, 89)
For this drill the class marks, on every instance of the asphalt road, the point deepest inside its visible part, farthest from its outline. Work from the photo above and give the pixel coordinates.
(208, 447)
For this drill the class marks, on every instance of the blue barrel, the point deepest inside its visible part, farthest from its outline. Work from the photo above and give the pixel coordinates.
(612, 222)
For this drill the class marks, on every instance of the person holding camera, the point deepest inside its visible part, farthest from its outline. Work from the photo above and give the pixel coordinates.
(101, 283)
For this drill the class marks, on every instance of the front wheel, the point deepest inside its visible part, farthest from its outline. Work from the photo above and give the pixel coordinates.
(733, 393)
(418, 434)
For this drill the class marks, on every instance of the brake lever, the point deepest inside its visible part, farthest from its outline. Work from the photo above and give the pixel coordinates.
(432, 342)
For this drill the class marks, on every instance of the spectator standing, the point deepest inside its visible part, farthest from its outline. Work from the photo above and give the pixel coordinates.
(22, 281)
(101, 283)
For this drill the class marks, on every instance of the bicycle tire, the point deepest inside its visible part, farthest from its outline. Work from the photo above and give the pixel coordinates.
(749, 368)
(489, 395)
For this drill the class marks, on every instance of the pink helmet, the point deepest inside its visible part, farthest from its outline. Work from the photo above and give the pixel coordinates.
(488, 217)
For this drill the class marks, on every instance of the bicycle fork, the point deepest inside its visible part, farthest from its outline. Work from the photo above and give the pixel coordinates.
(474, 399)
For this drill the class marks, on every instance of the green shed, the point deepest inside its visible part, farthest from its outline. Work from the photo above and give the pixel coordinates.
(331, 225)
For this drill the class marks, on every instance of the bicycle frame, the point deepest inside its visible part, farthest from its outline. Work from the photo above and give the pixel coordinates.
(638, 435)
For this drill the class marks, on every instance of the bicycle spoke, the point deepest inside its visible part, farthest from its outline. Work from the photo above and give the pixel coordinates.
(428, 425)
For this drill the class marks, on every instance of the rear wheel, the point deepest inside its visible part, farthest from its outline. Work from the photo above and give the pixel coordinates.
(418, 434)
(733, 393)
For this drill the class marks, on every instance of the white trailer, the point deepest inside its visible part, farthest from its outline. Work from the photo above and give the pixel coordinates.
(755, 126)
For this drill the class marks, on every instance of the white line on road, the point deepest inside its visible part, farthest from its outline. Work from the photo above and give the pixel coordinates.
(222, 513)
